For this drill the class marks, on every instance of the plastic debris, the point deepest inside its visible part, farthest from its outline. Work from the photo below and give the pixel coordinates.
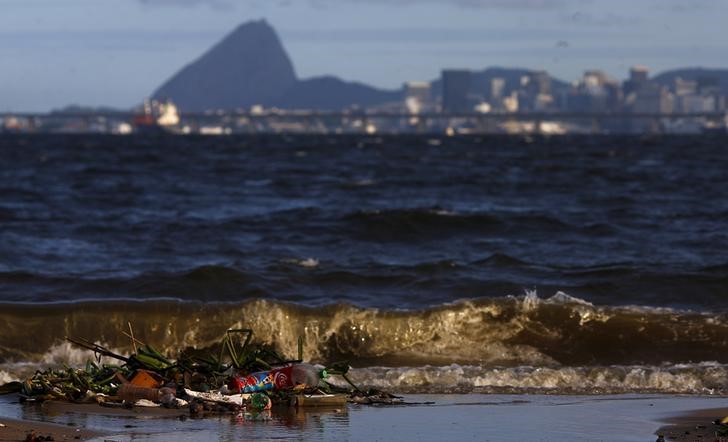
(246, 378)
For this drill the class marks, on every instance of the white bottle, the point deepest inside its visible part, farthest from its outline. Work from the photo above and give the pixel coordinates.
(308, 375)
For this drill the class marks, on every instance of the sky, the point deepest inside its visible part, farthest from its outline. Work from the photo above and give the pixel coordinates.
(55, 53)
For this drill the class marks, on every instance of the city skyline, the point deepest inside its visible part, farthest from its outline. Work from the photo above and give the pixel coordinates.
(116, 54)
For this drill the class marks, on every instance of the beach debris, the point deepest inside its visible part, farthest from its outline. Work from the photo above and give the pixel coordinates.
(280, 378)
(146, 378)
(32, 437)
(242, 377)
(319, 400)
(146, 403)
(217, 397)
(260, 402)
(71, 384)
(722, 424)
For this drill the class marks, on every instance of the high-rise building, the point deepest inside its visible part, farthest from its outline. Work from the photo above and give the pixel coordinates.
(455, 90)
(639, 74)
(595, 92)
(417, 96)
(652, 99)
(497, 90)
(535, 91)
(639, 77)
(594, 79)
(540, 83)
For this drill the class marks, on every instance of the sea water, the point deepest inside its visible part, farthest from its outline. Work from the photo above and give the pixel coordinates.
(499, 265)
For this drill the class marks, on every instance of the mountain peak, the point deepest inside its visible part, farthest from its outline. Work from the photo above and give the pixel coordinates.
(260, 23)
(249, 66)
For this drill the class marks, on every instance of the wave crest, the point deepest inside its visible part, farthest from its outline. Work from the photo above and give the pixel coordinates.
(512, 331)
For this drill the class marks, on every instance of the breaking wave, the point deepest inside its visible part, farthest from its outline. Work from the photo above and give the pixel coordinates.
(703, 378)
(511, 331)
(559, 344)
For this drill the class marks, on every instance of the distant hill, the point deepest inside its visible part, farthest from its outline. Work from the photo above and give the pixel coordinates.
(331, 93)
(86, 110)
(250, 66)
(667, 78)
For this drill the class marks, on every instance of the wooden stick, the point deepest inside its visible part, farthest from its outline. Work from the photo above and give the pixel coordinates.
(96, 348)
(133, 341)
(132, 337)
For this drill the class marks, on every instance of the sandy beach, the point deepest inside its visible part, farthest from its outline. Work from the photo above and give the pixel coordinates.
(20, 430)
(694, 426)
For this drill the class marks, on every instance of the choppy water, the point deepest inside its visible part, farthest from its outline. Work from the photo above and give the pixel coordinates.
(568, 264)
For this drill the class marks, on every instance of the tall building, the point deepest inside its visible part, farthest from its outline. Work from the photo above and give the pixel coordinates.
(540, 83)
(594, 79)
(639, 77)
(417, 96)
(497, 90)
(652, 99)
(639, 74)
(595, 92)
(455, 90)
(535, 91)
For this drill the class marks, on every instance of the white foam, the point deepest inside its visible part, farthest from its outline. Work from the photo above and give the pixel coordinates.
(6, 377)
(309, 263)
(682, 379)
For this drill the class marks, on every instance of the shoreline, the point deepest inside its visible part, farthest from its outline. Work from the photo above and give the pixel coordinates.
(429, 417)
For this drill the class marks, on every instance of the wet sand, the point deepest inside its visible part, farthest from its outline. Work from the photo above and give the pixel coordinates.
(18, 430)
(432, 417)
(695, 425)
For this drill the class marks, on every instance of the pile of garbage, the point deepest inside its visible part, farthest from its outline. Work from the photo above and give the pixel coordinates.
(243, 376)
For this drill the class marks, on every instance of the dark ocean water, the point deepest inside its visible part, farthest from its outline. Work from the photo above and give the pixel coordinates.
(601, 259)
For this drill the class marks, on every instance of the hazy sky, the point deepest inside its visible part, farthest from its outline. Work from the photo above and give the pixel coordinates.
(116, 52)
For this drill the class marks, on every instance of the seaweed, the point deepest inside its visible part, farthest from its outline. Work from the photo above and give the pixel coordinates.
(198, 371)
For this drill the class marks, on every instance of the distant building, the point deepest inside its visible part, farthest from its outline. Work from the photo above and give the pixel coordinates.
(687, 99)
(708, 85)
(596, 92)
(539, 83)
(455, 90)
(685, 87)
(651, 99)
(639, 76)
(497, 90)
(511, 103)
(594, 79)
(535, 93)
(417, 96)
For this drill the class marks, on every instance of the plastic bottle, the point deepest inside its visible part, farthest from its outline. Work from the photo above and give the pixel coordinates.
(260, 402)
(276, 379)
(308, 375)
(279, 378)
